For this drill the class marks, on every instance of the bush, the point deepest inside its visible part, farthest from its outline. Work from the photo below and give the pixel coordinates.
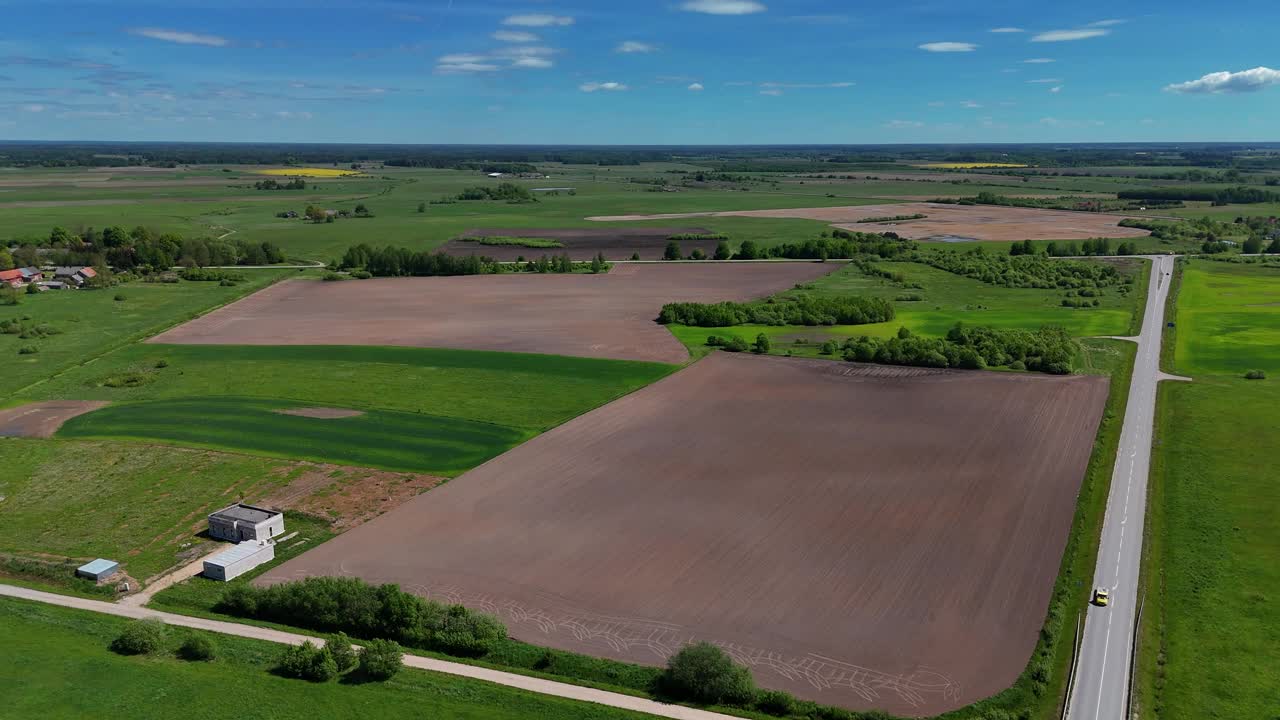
(197, 647)
(28, 350)
(775, 702)
(119, 297)
(1255, 375)
(672, 252)
(361, 274)
(368, 611)
(333, 277)
(761, 345)
(344, 655)
(308, 662)
(381, 659)
(140, 637)
(706, 674)
(161, 364)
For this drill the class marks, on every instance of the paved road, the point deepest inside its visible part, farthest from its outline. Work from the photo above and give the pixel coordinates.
(537, 685)
(1102, 681)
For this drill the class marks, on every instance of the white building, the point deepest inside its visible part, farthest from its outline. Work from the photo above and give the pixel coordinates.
(236, 561)
(241, 523)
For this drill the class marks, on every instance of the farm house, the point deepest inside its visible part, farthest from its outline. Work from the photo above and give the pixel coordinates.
(240, 523)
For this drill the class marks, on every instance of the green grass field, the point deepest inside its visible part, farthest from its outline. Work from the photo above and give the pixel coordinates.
(1212, 625)
(141, 505)
(948, 299)
(412, 442)
(533, 392)
(59, 658)
(93, 322)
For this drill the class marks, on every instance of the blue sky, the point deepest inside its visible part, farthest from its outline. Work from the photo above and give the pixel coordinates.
(640, 71)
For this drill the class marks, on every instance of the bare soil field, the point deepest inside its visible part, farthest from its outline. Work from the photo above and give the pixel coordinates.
(583, 243)
(606, 316)
(322, 413)
(42, 419)
(857, 535)
(976, 222)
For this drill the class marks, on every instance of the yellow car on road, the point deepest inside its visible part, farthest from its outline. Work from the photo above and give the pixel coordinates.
(1101, 596)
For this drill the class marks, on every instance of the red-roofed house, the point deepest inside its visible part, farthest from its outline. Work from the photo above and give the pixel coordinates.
(12, 278)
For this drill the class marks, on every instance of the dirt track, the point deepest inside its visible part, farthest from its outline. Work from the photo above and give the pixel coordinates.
(866, 537)
(583, 243)
(607, 316)
(977, 222)
(42, 419)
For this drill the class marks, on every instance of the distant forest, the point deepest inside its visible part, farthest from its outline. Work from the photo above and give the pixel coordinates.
(754, 158)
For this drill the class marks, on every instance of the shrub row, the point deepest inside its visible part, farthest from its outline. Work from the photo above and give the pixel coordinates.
(351, 605)
(800, 310)
(1049, 349)
(1023, 271)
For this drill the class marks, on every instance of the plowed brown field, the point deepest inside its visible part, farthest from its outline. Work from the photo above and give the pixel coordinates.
(606, 316)
(975, 222)
(860, 536)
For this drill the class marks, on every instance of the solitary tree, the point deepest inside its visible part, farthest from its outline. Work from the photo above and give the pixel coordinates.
(722, 250)
(761, 345)
(422, 207)
(705, 673)
(672, 252)
(381, 659)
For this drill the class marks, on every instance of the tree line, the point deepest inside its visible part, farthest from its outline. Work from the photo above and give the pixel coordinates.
(1241, 194)
(1024, 271)
(801, 309)
(273, 184)
(393, 261)
(1048, 350)
(142, 249)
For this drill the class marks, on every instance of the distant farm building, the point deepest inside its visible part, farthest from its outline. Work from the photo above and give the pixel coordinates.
(75, 276)
(241, 523)
(12, 278)
(31, 274)
(98, 570)
(234, 562)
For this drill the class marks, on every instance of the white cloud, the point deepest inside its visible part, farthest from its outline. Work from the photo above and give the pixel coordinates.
(971, 104)
(774, 92)
(292, 115)
(903, 124)
(461, 58)
(634, 46)
(1038, 61)
(1046, 80)
(515, 36)
(535, 63)
(696, 87)
(723, 7)
(537, 20)
(519, 51)
(33, 108)
(1067, 35)
(1107, 23)
(949, 47)
(1055, 89)
(803, 86)
(181, 37)
(1223, 82)
(1006, 30)
(591, 87)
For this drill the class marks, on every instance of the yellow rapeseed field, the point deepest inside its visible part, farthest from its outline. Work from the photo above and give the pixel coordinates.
(973, 166)
(309, 172)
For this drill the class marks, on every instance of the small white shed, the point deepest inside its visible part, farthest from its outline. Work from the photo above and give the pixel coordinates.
(98, 570)
(236, 561)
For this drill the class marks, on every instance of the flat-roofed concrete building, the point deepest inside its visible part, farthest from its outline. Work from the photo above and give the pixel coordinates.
(245, 523)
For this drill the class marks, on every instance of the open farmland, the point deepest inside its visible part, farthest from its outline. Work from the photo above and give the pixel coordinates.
(867, 537)
(964, 222)
(604, 316)
(584, 243)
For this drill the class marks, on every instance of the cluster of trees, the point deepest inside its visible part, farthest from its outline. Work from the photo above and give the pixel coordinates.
(392, 261)
(1024, 271)
(893, 218)
(317, 214)
(378, 660)
(351, 605)
(1262, 234)
(733, 343)
(1241, 194)
(801, 309)
(1049, 349)
(144, 249)
(273, 184)
(1092, 246)
(505, 191)
(695, 237)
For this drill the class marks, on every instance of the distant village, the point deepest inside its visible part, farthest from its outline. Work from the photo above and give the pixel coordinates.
(48, 278)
